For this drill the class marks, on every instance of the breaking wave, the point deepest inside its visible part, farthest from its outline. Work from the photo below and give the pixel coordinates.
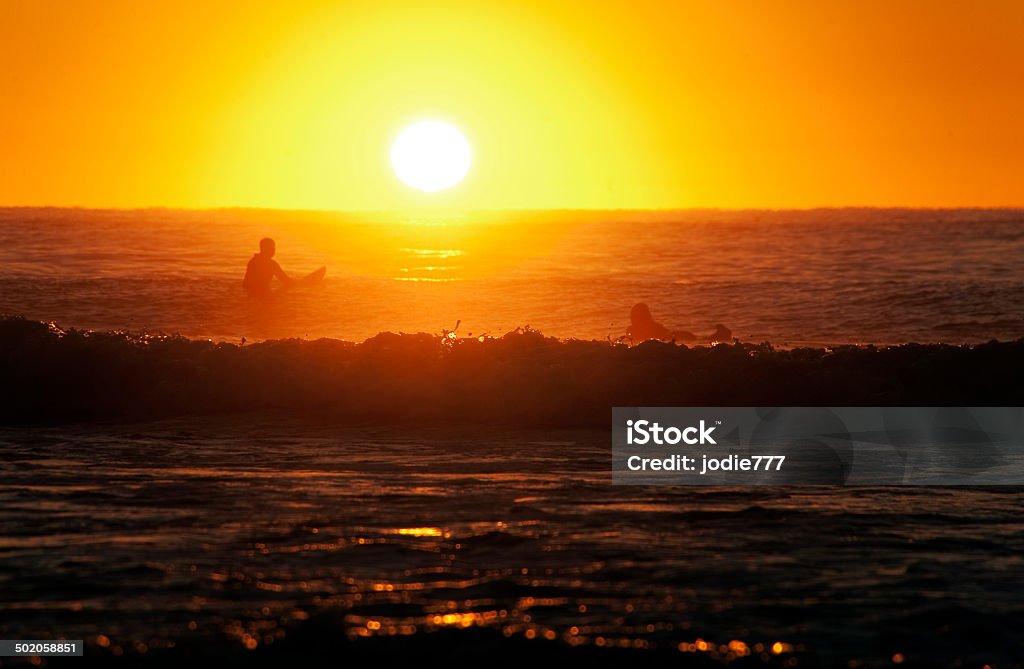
(51, 375)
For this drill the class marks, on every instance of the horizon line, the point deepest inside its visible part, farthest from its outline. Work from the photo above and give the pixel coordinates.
(456, 210)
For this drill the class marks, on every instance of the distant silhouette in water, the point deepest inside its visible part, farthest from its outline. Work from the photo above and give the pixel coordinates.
(261, 270)
(721, 333)
(643, 327)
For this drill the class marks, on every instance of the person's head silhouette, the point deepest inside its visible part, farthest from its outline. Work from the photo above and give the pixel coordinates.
(268, 247)
(641, 314)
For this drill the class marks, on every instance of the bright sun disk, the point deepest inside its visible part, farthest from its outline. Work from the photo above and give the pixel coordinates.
(430, 156)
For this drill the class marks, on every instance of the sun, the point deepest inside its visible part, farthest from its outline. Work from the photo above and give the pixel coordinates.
(430, 156)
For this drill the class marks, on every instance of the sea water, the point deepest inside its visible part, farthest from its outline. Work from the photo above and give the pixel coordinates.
(820, 276)
(235, 532)
(229, 534)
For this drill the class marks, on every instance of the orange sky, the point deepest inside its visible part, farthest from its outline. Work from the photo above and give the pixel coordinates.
(567, 105)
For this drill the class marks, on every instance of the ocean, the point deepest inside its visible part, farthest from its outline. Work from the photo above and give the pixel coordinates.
(173, 496)
(230, 536)
(789, 278)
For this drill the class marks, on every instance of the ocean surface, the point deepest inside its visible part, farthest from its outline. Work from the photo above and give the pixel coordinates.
(229, 535)
(825, 276)
(391, 518)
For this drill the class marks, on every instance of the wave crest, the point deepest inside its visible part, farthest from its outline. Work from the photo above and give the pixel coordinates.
(51, 375)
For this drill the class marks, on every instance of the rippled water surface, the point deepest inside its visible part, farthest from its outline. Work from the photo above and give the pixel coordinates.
(830, 276)
(238, 531)
(242, 533)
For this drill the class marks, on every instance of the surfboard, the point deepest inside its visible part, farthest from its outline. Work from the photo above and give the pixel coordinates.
(315, 276)
(311, 280)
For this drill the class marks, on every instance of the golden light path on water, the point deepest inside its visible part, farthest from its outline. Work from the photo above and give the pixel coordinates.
(434, 273)
(515, 621)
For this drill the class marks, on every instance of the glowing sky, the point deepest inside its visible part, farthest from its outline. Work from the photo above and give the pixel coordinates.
(566, 105)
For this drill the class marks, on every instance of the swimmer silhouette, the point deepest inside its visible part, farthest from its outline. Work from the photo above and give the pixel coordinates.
(721, 333)
(262, 269)
(642, 327)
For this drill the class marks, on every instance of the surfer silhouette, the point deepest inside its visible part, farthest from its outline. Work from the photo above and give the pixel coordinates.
(261, 270)
(643, 327)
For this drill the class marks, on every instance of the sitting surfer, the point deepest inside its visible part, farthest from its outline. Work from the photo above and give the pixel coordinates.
(261, 270)
(642, 327)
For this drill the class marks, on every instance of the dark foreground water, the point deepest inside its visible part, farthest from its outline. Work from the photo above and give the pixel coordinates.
(243, 536)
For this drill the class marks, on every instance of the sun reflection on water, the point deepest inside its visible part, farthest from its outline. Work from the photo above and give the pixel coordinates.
(420, 531)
